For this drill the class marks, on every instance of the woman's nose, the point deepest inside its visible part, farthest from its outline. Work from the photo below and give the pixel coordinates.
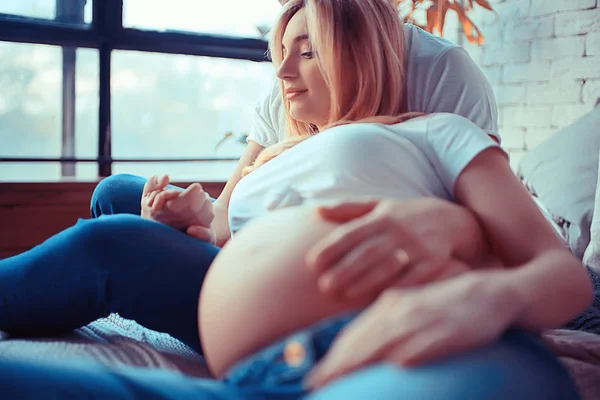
(286, 70)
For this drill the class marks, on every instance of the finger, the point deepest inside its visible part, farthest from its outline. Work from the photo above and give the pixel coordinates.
(345, 212)
(149, 186)
(419, 272)
(330, 250)
(428, 271)
(185, 199)
(362, 260)
(150, 198)
(381, 277)
(365, 340)
(202, 233)
(205, 213)
(340, 359)
(163, 197)
(432, 344)
(200, 206)
(451, 269)
(163, 181)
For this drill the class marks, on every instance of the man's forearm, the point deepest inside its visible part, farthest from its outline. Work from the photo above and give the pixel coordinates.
(220, 223)
(552, 289)
(458, 225)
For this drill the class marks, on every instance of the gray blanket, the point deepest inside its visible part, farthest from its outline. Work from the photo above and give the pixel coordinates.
(589, 321)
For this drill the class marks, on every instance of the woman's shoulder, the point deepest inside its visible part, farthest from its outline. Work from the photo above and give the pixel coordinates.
(445, 118)
(436, 121)
(440, 126)
(447, 130)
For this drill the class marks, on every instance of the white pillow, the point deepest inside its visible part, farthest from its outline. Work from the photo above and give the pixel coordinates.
(591, 257)
(562, 172)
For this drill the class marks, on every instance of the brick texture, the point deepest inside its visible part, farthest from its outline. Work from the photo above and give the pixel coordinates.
(578, 22)
(538, 71)
(559, 91)
(558, 48)
(592, 44)
(542, 58)
(543, 7)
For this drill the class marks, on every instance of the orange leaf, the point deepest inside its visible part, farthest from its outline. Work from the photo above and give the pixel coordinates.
(441, 17)
(430, 19)
(485, 4)
(436, 15)
(469, 29)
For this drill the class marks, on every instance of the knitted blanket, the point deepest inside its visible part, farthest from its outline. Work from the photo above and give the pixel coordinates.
(113, 342)
(116, 342)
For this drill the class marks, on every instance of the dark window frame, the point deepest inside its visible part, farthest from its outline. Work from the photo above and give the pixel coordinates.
(107, 33)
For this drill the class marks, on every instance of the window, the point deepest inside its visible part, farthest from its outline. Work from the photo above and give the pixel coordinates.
(76, 12)
(240, 18)
(170, 106)
(94, 88)
(30, 8)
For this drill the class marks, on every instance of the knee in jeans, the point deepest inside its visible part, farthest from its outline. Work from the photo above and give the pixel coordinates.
(110, 191)
(107, 232)
(108, 185)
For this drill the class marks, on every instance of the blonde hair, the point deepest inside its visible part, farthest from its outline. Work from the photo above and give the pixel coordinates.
(360, 47)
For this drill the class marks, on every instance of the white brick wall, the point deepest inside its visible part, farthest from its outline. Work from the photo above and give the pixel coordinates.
(592, 44)
(553, 49)
(577, 22)
(543, 7)
(542, 57)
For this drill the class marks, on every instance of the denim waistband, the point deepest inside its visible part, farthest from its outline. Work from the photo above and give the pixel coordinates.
(280, 368)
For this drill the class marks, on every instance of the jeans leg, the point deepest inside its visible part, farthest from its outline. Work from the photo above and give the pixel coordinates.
(142, 269)
(117, 194)
(87, 381)
(517, 367)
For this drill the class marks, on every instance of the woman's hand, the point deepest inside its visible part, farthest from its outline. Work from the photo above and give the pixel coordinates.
(384, 243)
(418, 325)
(190, 209)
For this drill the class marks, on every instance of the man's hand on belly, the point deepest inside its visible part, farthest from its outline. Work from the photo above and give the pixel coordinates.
(386, 243)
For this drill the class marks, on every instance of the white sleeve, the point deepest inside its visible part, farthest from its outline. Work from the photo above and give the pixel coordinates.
(454, 142)
(265, 124)
(456, 85)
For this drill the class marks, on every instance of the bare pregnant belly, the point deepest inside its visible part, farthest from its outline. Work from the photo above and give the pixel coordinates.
(259, 289)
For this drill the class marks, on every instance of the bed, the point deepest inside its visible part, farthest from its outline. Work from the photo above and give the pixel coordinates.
(563, 182)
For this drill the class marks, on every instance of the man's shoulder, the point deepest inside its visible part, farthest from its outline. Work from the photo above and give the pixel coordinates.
(424, 48)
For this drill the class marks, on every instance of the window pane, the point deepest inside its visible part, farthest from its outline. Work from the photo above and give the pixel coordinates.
(31, 109)
(241, 18)
(72, 11)
(184, 171)
(87, 101)
(30, 8)
(30, 100)
(29, 172)
(173, 106)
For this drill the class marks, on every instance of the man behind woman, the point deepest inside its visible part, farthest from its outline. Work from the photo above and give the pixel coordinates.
(444, 156)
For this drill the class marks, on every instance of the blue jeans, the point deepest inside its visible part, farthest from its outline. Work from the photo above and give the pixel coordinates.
(152, 273)
(515, 367)
(122, 263)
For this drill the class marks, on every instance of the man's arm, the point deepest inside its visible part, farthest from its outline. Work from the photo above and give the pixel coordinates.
(221, 222)
(458, 86)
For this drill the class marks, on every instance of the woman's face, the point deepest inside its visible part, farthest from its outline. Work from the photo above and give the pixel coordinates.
(305, 88)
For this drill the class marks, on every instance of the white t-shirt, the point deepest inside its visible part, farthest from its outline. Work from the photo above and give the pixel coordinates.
(418, 158)
(440, 77)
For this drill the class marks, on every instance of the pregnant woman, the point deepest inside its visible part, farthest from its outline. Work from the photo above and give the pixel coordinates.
(267, 318)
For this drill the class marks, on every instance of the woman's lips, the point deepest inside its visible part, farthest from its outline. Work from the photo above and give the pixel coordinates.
(293, 95)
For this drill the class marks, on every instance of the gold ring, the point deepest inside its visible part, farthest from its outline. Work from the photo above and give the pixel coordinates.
(402, 257)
